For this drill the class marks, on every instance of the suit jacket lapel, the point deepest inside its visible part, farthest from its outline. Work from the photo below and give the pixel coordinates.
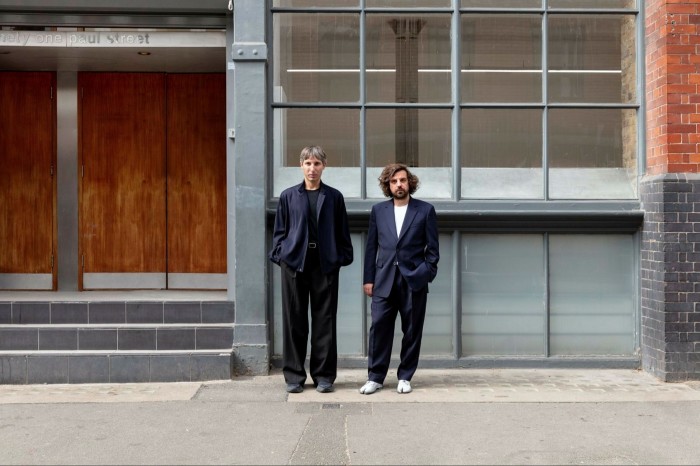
(388, 218)
(321, 198)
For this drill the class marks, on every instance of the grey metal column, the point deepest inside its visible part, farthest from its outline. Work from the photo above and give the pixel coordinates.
(67, 172)
(246, 173)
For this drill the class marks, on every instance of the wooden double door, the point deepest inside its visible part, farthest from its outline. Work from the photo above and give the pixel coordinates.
(27, 180)
(152, 181)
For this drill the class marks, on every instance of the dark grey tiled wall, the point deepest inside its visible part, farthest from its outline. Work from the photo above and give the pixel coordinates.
(71, 368)
(670, 275)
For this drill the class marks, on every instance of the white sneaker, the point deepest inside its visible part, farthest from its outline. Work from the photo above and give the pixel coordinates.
(404, 386)
(370, 387)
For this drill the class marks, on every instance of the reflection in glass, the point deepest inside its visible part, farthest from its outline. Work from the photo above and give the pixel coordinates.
(501, 153)
(316, 58)
(501, 58)
(314, 3)
(350, 296)
(592, 294)
(416, 137)
(593, 4)
(501, 3)
(336, 130)
(592, 59)
(503, 295)
(592, 154)
(408, 3)
(408, 58)
(437, 330)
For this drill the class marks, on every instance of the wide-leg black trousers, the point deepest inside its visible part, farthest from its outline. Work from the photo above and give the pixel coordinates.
(299, 289)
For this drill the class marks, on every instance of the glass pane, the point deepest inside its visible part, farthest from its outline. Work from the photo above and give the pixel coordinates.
(349, 319)
(336, 130)
(503, 295)
(501, 3)
(408, 3)
(592, 294)
(592, 154)
(437, 330)
(408, 58)
(316, 58)
(501, 58)
(592, 59)
(501, 153)
(314, 3)
(629, 4)
(419, 138)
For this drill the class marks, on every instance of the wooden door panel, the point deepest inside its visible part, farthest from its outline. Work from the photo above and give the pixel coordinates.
(122, 187)
(27, 184)
(196, 173)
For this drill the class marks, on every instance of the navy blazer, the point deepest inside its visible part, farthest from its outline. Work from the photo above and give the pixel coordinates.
(416, 251)
(290, 236)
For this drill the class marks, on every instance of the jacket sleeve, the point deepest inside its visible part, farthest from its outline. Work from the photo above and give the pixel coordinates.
(343, 231)
(432, 249)
(370, 269)
(279, 233)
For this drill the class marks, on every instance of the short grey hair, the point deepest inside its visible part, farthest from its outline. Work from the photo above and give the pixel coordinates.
(316, 152)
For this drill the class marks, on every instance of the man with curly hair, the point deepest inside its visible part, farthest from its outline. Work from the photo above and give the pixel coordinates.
(400, 260)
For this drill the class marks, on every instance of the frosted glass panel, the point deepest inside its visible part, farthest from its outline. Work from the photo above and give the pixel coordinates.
(316, 57)
(503, 295)
(592, 294)
(592, 153)
(502, 154)
(408, 58)
(349, 323)
(592, 58)
(501, 58)
(437, 330)
(336, 130)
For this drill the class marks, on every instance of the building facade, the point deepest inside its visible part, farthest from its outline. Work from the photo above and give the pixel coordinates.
(556, 139)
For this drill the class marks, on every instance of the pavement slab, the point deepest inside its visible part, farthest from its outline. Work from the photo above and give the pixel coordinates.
(455, 416)
(429, 386)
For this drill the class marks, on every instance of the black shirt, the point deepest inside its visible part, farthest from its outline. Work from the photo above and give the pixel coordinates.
(313, 214)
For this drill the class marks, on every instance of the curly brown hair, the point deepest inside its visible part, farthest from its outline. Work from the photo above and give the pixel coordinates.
(391, 170)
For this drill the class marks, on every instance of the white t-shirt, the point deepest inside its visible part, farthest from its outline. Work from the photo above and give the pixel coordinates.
(399, 215)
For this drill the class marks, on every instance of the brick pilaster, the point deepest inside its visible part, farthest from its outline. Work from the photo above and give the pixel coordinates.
(670, 192)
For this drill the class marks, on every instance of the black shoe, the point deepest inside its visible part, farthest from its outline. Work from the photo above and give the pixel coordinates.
(325, 387)
(295, 388)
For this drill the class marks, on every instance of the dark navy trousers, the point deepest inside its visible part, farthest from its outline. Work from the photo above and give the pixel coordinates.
(410, 305)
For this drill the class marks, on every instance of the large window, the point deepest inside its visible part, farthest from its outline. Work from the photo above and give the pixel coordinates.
(498, 99)
(521, 104)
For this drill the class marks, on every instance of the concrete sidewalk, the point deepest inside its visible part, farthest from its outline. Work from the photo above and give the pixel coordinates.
(462, 416)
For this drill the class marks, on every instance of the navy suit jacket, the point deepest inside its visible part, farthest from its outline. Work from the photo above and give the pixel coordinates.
(416, 251)
(291, 234)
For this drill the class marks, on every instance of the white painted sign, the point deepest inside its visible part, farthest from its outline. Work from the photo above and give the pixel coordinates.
(112, 39)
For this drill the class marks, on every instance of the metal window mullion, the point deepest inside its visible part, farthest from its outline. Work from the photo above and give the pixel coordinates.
(457, 294)
(456, 97)
(547, 326)
(545, 101)
(641, 101)
(591, 11)
(363, 102)
(501, 11)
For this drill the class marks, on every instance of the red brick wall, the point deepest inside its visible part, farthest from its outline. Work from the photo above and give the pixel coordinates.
(672, 80)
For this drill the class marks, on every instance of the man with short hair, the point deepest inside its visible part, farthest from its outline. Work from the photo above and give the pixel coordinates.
(401, 258)
(310, 242)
